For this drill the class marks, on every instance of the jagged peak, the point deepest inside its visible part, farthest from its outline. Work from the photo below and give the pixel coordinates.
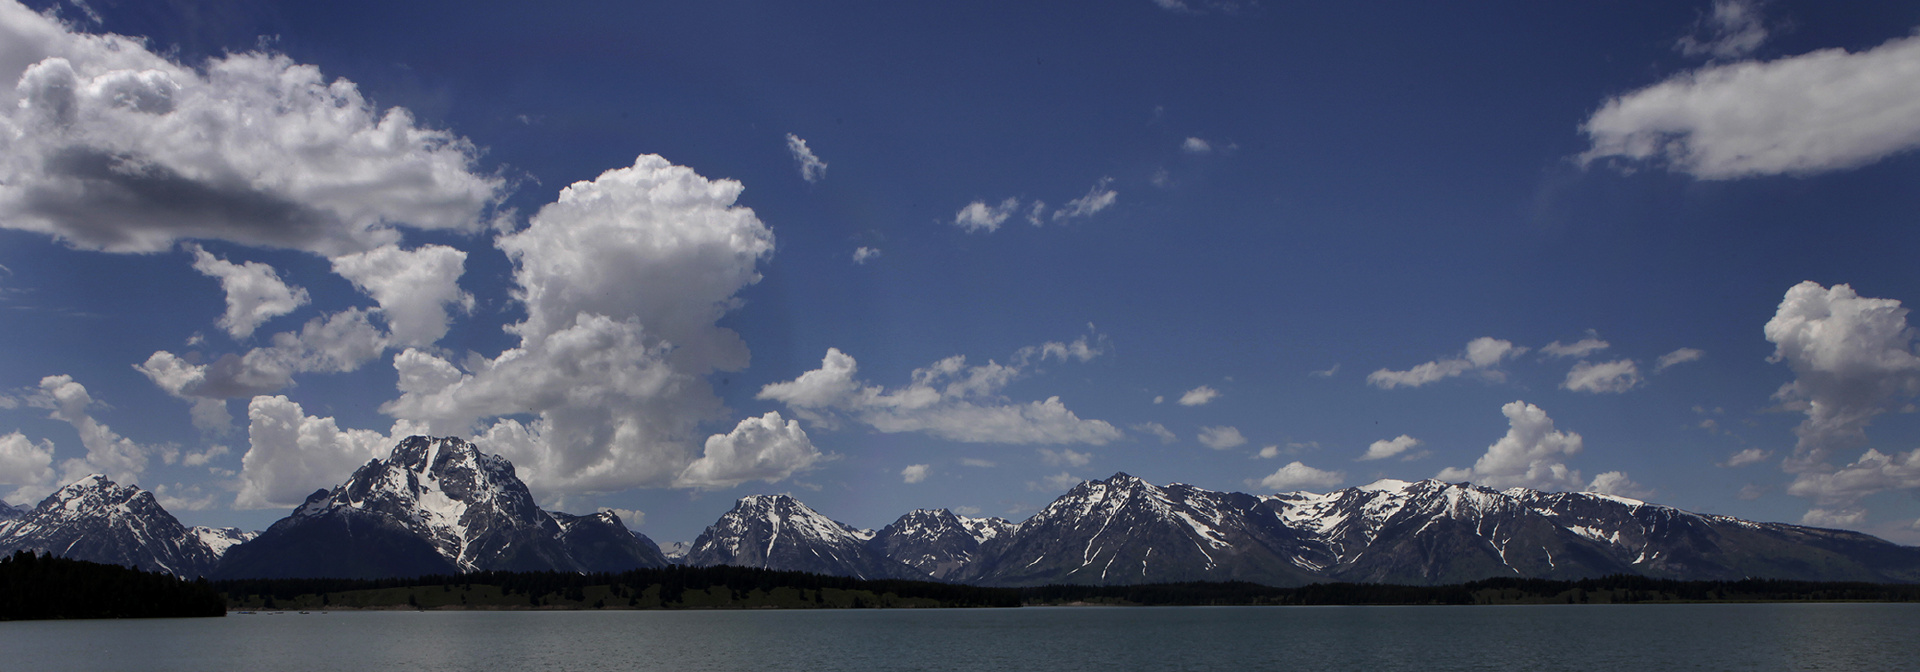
(756, 502)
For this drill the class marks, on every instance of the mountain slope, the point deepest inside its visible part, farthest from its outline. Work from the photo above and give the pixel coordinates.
(779, 532)
(97, 520)
(937, 542)
(1125, 530)
(434, 506)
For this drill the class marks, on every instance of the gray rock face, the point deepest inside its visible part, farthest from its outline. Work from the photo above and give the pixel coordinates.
(778, 532)
(97, 520)
(1124, 530)
(436, 505)
(600, 542)
(936, 541)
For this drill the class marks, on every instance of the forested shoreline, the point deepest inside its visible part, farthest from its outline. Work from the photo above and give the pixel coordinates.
(37, 587)
(726, 587)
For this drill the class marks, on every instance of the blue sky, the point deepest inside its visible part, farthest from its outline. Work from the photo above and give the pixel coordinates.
(885, 257)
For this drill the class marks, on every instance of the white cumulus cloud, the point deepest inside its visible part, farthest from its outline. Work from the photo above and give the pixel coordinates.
(1615, 377)
(1820, 111)
(291, 454)
(26, 465)
(1482, 357)
(766, 448)
(1199, 396)
(914, 473)
(1196, 146)
(414, 288)
(254, 292)
(1222, 438)
(863, 254)
(948, 399)
(1386, 448)
(1617, 483)
(979, 217)
(1296, 475)
(107, 451)
(623, 279)
(1746, 457)
(1531, 454)
(109, 146)
(1852, 358)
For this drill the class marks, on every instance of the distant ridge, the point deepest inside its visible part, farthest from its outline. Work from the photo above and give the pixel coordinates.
(441, 506)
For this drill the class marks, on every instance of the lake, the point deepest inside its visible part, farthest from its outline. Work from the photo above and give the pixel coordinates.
(1564, 637)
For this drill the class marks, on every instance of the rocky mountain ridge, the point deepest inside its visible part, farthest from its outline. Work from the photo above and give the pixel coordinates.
(97, 520)
(441, 506)
(435, 506)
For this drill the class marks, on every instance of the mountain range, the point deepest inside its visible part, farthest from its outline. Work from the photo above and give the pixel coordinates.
(441, 506)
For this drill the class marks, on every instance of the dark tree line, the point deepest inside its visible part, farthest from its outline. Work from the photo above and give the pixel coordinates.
(44, 587)
(674, 581)
(1618, 588)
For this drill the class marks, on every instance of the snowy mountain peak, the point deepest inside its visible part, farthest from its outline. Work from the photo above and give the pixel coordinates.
(98, 520)
(467, 507)
(780, 532)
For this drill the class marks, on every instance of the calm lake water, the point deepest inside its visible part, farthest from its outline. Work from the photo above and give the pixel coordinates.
(1587, 637)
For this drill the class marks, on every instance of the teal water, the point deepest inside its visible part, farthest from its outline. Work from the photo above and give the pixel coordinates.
(1585, 637)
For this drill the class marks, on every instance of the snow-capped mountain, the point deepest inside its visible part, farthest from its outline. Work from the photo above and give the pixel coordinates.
(97, 520)
(10, 512)
(1125, 530)
(435, 506)
(779, 532)
(676, 552)
(936, 541)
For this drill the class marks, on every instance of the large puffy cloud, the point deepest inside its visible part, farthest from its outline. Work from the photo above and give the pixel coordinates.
(623, 279)
(109, 146)
(1820, 111)
(291, 454)
(27, 466)
(107, 451)
(1531, 454)
(762, 448)
(948, 399)
(254, 292)
(414, 288)
(1615, 377)
(1852, 357)
(1483, 356)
